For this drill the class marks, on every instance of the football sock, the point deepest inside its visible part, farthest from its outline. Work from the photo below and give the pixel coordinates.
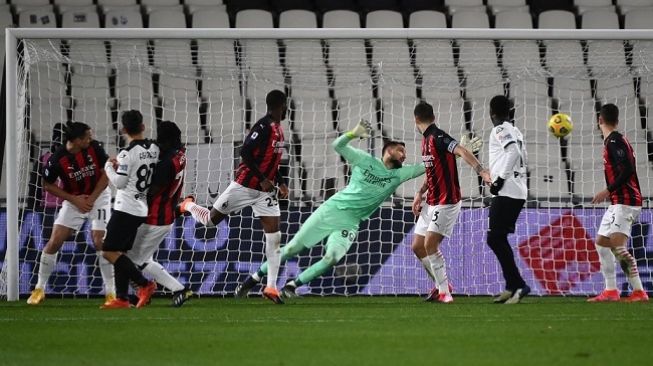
(606, 258)
(125, 270)
(200, 214)
(46, 267)
(439, 268)
(288, 251)
(498, 242)
(427, 267)
(273, 256)
(106, 270)
(629, 266)
(156, 271)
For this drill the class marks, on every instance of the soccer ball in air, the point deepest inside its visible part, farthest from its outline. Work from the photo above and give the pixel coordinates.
(560, 125)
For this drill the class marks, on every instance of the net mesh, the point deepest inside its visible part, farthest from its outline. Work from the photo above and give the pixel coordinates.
(215, 90)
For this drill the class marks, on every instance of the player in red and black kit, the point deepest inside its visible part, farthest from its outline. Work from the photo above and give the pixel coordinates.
(79, 165)
(163, 197)
(254, 186)
(625, 206)
(436, 219)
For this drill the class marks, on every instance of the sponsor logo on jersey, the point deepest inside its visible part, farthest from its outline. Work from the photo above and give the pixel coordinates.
(374, 179)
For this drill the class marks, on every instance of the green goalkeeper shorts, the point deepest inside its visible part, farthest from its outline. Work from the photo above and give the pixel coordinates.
(339, 226)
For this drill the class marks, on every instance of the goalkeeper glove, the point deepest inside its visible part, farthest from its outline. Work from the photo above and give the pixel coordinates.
(363, 129)
(473, 144)
(496, 186)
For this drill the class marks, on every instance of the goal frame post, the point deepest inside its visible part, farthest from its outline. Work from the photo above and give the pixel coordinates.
(14, 35)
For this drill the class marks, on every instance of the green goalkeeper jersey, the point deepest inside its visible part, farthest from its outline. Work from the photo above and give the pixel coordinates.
(371, 181)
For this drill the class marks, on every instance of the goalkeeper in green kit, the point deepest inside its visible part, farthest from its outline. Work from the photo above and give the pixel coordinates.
(372, 181)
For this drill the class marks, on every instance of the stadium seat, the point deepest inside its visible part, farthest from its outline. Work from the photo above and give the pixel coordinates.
(455, 6)
(347, 58)
(260, 55)
(548, 178)
(590, 176)
(583, 6)
(320, 164)
(583, 114)
(73, 3)
(629, 117)
(117, 3)
(390, 57)
(531, 115)
(32, 3)
(180, 103)
(37, 18)
(441, 83)
(258, 85)
(193, 9)
(171, 53)
(307, 85)
(160, 2)
(92, 51)
(528, 88)
(564, 56)
(398, 118)
(302, 55)
(521, 57)
(431, 54)
(566, 88)
(225, 113)
(450, 115)
(480, 85)
(614, 86)
(475, 54)
(500, 6)
(134, 90)
(557, 19)
(215, 55)
(313, 118)
(126, 50)
(626, 6)
(96, 113)
(351, 109)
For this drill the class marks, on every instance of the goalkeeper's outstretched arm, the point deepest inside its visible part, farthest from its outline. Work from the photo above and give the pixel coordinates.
(352, 154)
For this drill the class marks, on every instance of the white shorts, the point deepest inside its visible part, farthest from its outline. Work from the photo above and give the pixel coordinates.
(618, 219)
(438, 219)
(147, 241)
(237, 197)
(71, 217)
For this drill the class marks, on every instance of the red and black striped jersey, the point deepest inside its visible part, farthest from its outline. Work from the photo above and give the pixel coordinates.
(261, 154)
(167, 185)
(441, 169)
(620, 171)
(80, 172)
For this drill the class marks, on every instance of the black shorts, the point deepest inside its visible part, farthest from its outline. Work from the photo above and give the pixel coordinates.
(121, 231)
(504, 212)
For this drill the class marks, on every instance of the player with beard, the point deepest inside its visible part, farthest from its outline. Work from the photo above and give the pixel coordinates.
(373, 180)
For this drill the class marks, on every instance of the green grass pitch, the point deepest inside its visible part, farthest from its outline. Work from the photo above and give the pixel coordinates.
(327, 331)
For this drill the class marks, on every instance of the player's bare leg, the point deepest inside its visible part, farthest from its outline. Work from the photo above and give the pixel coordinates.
(438, 266)
(272, 256)
(106, 268)
(48, 260)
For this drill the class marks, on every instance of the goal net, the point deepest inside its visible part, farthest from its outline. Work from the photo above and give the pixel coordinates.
(213, 86)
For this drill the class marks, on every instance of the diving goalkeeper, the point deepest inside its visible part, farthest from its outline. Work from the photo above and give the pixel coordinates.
(372, 181)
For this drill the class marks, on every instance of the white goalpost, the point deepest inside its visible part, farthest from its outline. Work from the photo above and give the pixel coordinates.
(213, 82)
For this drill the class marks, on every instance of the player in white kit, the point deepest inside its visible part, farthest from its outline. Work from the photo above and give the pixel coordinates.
(131, 173)
(509, 190)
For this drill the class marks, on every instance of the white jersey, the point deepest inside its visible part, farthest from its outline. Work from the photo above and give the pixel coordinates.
(132, 178)
(501, 137)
